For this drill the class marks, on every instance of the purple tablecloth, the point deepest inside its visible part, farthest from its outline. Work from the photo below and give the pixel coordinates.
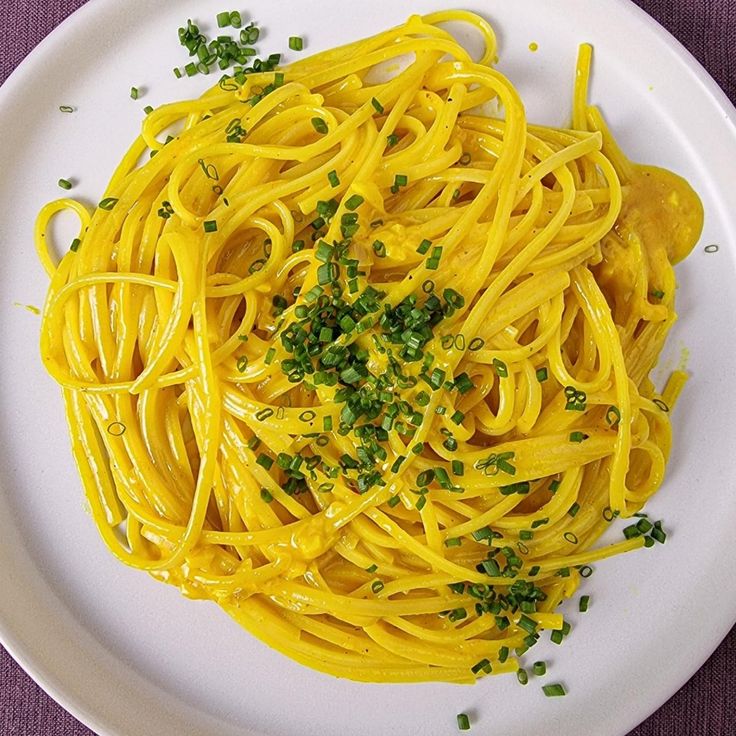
(706, 706)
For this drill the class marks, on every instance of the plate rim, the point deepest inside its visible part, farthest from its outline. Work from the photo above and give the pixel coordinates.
(32, 663)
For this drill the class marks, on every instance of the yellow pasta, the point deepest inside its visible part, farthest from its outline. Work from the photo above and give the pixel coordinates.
(365, 365)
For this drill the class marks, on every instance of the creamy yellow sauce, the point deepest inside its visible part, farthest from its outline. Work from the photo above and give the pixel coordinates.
(664, 210)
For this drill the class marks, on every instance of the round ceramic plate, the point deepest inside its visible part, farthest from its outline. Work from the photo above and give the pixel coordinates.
(128, 655)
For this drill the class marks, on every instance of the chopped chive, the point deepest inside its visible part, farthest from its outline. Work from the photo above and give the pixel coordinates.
(392, 140)
(458, 468)
(296, 43)
(584, 603)
(74, 247)
(528, 624)
(379, 248)
(573, 510)
(394, 501)
(542, 375)
(522, 676)
(463, 383)
(424, 246)
(401, 180)
(425, 478)
(463, 722)
(264, 461)
(658, 534)
(210, 226)
(453, 542)
(319, 125)
(326, 273)
(108, 203)
(481, 534)
(353, 202)
(66, 108)
(65, 184)
(377, 586)
(578, 436)
(333, 178)
(134, 93)
(553, 691)
(501, 368)
(223, 19)
(450, 444)
(397, 464)
(266, 495)
(377, 105)
(539, 668)
(433, 263)
(324, 252)
(148, 109)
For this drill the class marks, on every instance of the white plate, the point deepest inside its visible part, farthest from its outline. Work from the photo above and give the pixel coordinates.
(128, 655)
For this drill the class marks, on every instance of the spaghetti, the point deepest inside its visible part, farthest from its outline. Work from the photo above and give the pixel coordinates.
(365, 365)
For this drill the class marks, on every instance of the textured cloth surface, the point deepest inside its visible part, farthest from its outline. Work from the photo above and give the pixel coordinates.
(706, 706)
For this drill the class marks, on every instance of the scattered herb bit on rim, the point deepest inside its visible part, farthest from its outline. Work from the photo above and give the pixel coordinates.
(463, 722)
(554, 691)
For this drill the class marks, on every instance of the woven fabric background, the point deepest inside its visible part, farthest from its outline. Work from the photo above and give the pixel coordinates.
(706, 706)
